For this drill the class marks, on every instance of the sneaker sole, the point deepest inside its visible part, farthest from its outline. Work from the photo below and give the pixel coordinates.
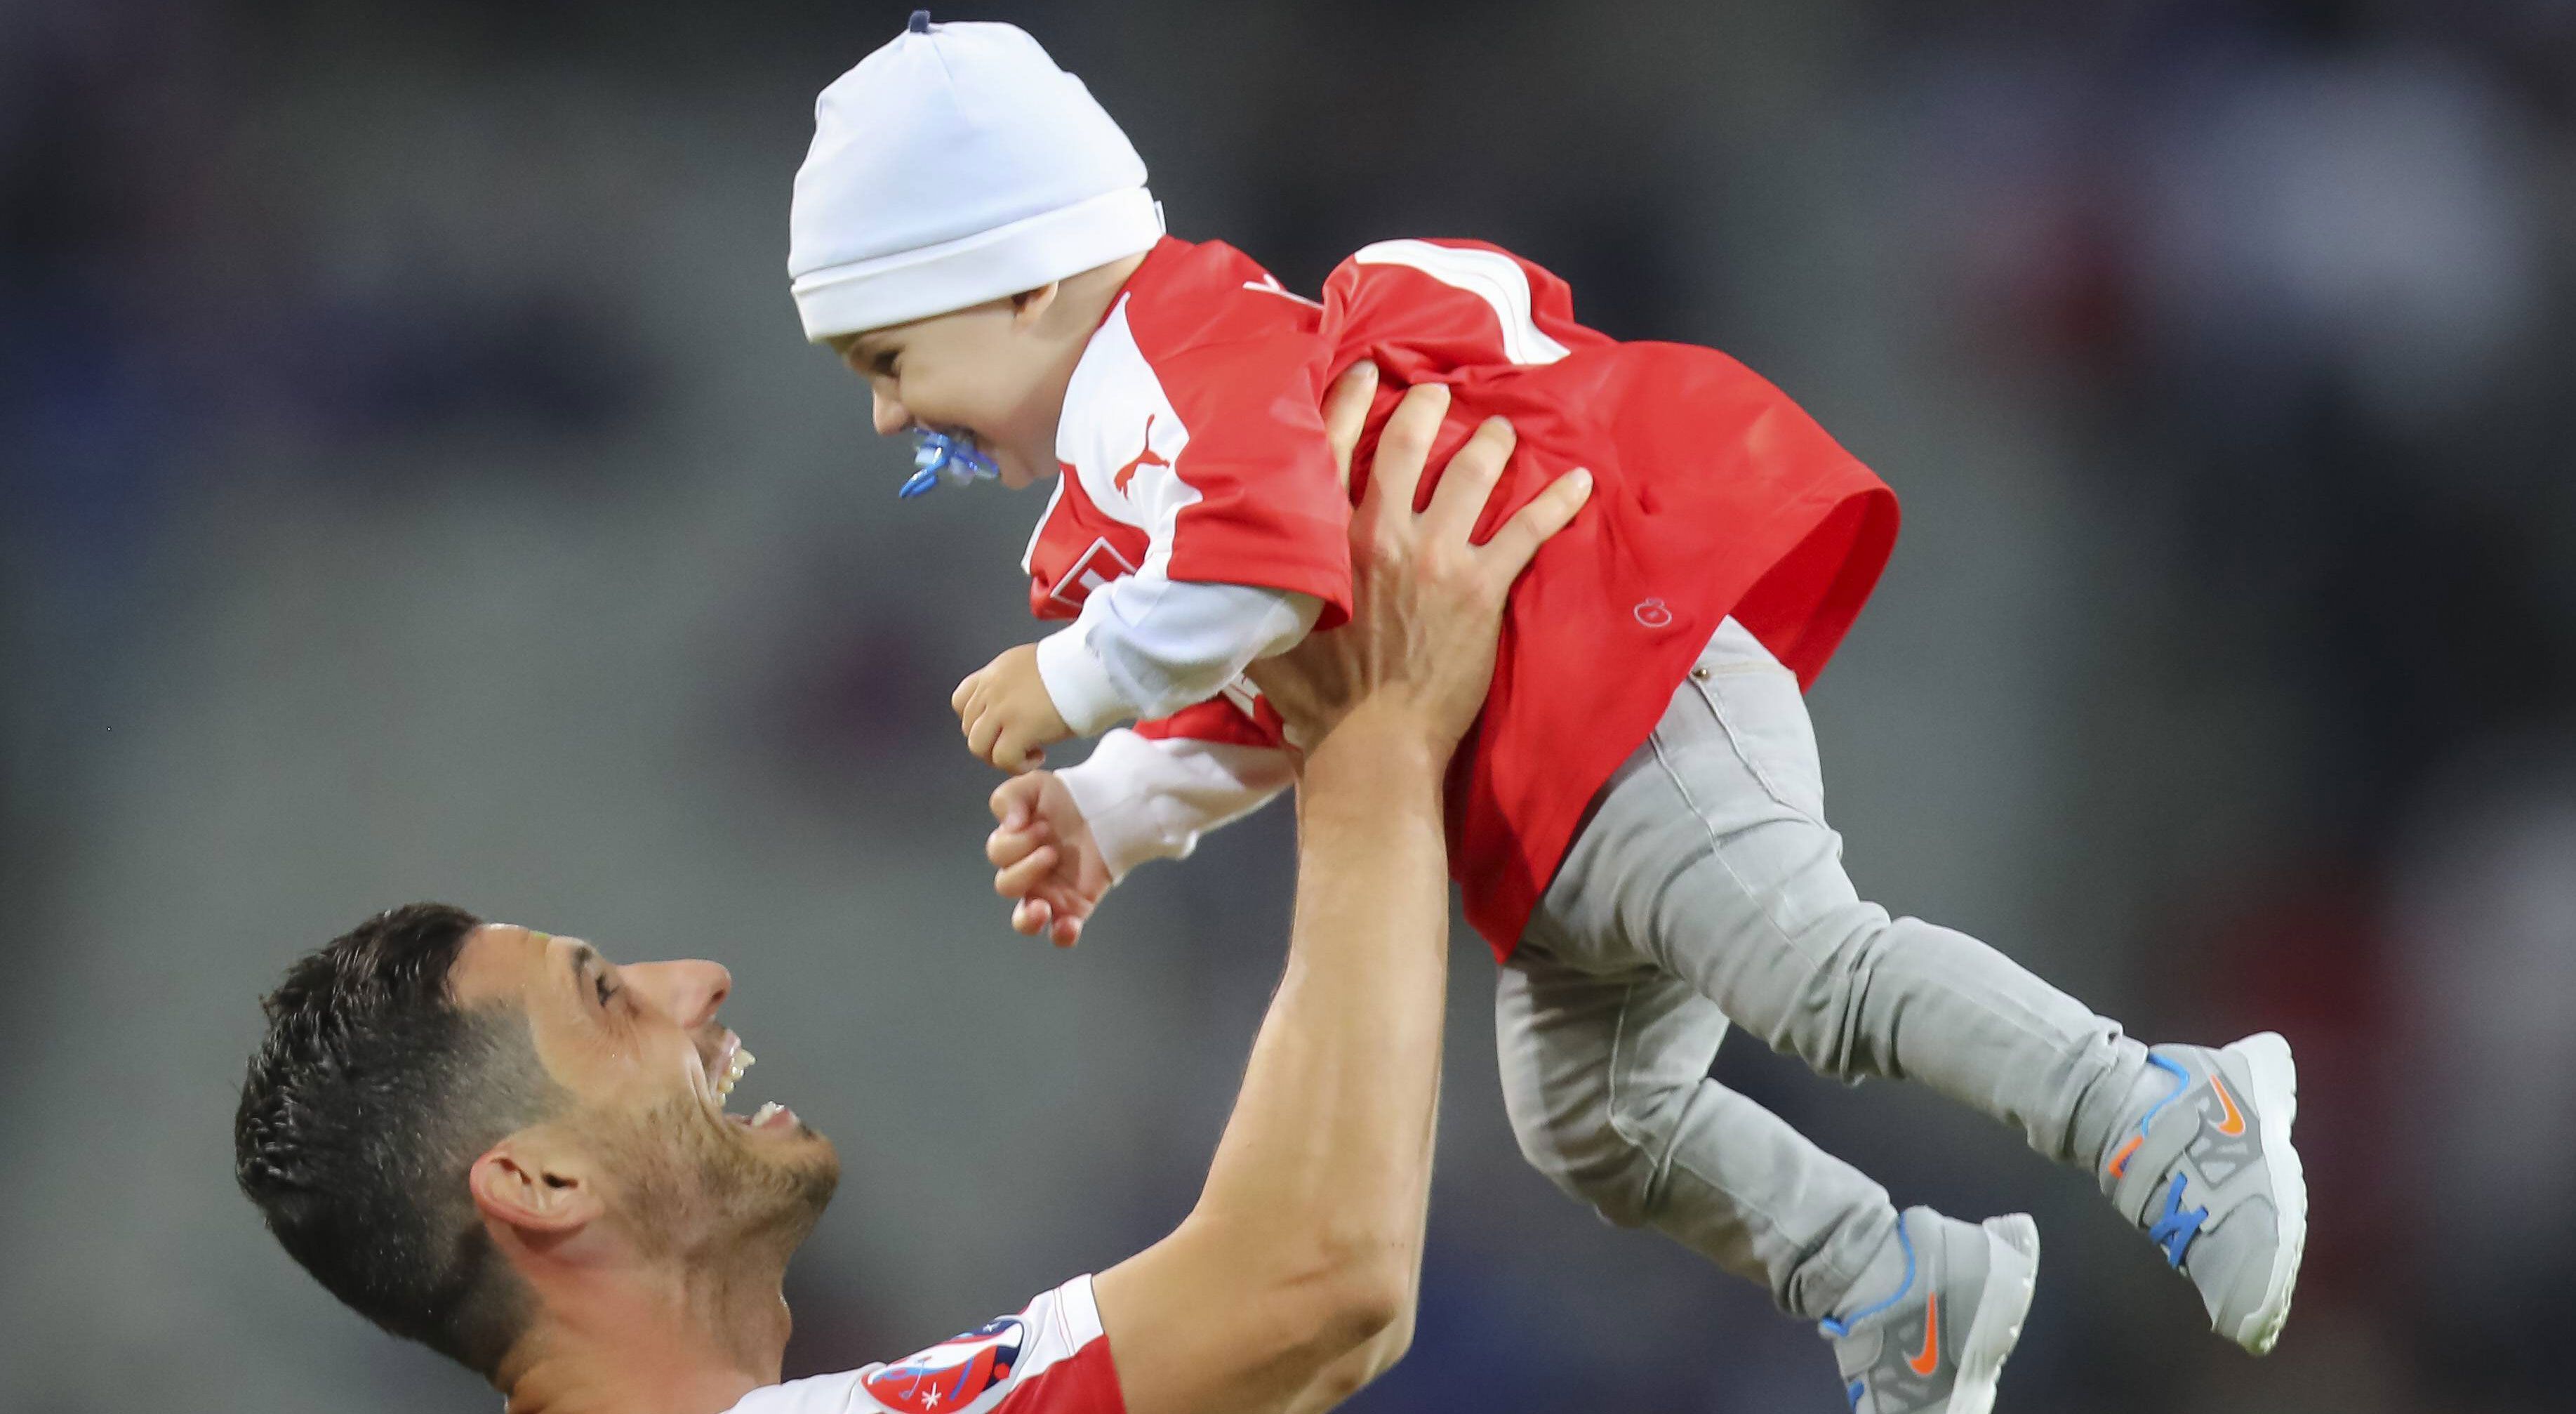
(2275, 1086)
(2012, 1257)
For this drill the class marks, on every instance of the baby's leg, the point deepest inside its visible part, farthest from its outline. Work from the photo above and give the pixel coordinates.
(1606, 1079)
(1709, 857)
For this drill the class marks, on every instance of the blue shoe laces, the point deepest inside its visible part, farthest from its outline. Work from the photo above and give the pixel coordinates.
(938, 457)
(2174, 1229)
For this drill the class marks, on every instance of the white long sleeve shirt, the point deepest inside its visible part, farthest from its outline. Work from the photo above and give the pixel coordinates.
(1151, 798)
(1146, 646)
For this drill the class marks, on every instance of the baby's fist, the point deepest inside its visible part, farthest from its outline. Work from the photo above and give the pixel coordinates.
(1006, 713)
(1044, 858)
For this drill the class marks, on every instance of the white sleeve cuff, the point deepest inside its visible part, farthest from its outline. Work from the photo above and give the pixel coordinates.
(1151, 799)
(1083, 693)
(1170, 643)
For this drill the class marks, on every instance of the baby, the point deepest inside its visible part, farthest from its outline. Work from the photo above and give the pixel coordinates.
(1638, 822)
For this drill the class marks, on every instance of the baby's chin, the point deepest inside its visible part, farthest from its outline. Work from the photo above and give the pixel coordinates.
(1019, 476)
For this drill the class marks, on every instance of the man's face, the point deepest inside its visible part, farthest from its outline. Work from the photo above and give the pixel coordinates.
(978, 371)
(646, 1061)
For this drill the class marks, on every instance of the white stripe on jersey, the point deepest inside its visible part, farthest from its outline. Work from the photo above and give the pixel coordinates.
(1269, 285)
(1119, 426)
(1489, 275)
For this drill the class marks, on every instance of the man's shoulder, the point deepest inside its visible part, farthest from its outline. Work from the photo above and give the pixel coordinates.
(1050, 1357)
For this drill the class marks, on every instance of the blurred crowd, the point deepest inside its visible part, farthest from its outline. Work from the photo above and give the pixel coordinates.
(412, 484)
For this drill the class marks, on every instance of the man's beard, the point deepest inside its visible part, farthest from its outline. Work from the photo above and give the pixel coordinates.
(695, 1189)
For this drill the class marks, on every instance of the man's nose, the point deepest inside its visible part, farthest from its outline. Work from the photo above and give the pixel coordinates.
(691, 991)
(892, 416)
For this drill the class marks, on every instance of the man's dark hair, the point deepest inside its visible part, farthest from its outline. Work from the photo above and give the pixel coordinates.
(369, 1099)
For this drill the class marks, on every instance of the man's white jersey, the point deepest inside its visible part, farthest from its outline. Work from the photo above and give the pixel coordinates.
(1049, 1359)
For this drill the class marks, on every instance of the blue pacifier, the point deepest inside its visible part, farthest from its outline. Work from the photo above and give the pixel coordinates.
(938, 457)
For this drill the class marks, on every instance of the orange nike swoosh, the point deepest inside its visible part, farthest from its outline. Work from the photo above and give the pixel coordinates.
(1922, 1364)
(2235, 1121)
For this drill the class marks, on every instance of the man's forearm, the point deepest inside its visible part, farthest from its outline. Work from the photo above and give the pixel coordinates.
(1331, 1140)
(1358, 1367)
(1291, 1281)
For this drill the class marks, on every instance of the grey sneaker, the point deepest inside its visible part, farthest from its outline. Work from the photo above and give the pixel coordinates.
(1938, 1344)
(2209, 1173)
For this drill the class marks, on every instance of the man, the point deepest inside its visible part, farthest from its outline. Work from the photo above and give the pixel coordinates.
(503, 1145)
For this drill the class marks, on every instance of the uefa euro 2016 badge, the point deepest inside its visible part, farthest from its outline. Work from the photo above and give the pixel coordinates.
(952, 457)
(951, 1374)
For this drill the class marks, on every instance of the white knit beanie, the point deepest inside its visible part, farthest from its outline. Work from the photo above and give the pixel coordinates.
(956, 165)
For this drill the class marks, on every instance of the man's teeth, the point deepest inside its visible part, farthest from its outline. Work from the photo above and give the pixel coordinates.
(742, 1061)
(762, 1115)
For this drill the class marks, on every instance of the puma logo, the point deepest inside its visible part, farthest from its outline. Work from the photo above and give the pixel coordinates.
(1147, 457)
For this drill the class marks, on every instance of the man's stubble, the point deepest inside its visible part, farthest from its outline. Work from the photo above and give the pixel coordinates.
(694, 1191)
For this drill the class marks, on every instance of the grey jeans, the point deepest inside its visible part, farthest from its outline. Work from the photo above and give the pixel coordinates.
(1707, 888)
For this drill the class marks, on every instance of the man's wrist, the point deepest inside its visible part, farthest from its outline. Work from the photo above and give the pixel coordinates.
(1382, 742)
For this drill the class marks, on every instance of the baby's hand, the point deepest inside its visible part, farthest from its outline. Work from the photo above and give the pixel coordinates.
(1044, 856)
(1004, 709)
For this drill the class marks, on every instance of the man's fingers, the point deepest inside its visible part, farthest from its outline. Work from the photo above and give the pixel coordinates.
(1403, 448)
(1066, 932)
(1512, 546)
(1459, 500)
(1030, 916)
(965, 691)
(1346, 409)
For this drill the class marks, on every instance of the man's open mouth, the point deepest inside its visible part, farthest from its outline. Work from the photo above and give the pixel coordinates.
(726, 1070)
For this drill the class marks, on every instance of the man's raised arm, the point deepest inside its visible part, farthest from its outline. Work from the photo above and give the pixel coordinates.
(1291, 1283)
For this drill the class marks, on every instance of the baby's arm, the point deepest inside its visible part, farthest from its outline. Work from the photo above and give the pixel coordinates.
(1147, 646)
(1246, 528)
(1151, 798)
(1065, 837)
(1144, 647)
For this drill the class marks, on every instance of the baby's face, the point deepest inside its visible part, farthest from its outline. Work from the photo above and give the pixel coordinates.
(978, 371)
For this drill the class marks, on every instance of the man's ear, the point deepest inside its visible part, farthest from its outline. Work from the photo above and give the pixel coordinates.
(537, 1185)
(1028, 306)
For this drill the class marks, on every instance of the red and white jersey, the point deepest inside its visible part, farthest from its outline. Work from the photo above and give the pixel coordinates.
(1049, 1359)
(1192, 447)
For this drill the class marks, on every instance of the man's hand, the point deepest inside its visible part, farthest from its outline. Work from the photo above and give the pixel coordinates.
(1045, 857)
(1426, 602)
(1004, 709)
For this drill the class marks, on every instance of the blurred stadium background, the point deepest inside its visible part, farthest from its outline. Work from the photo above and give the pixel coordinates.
(412, 484)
